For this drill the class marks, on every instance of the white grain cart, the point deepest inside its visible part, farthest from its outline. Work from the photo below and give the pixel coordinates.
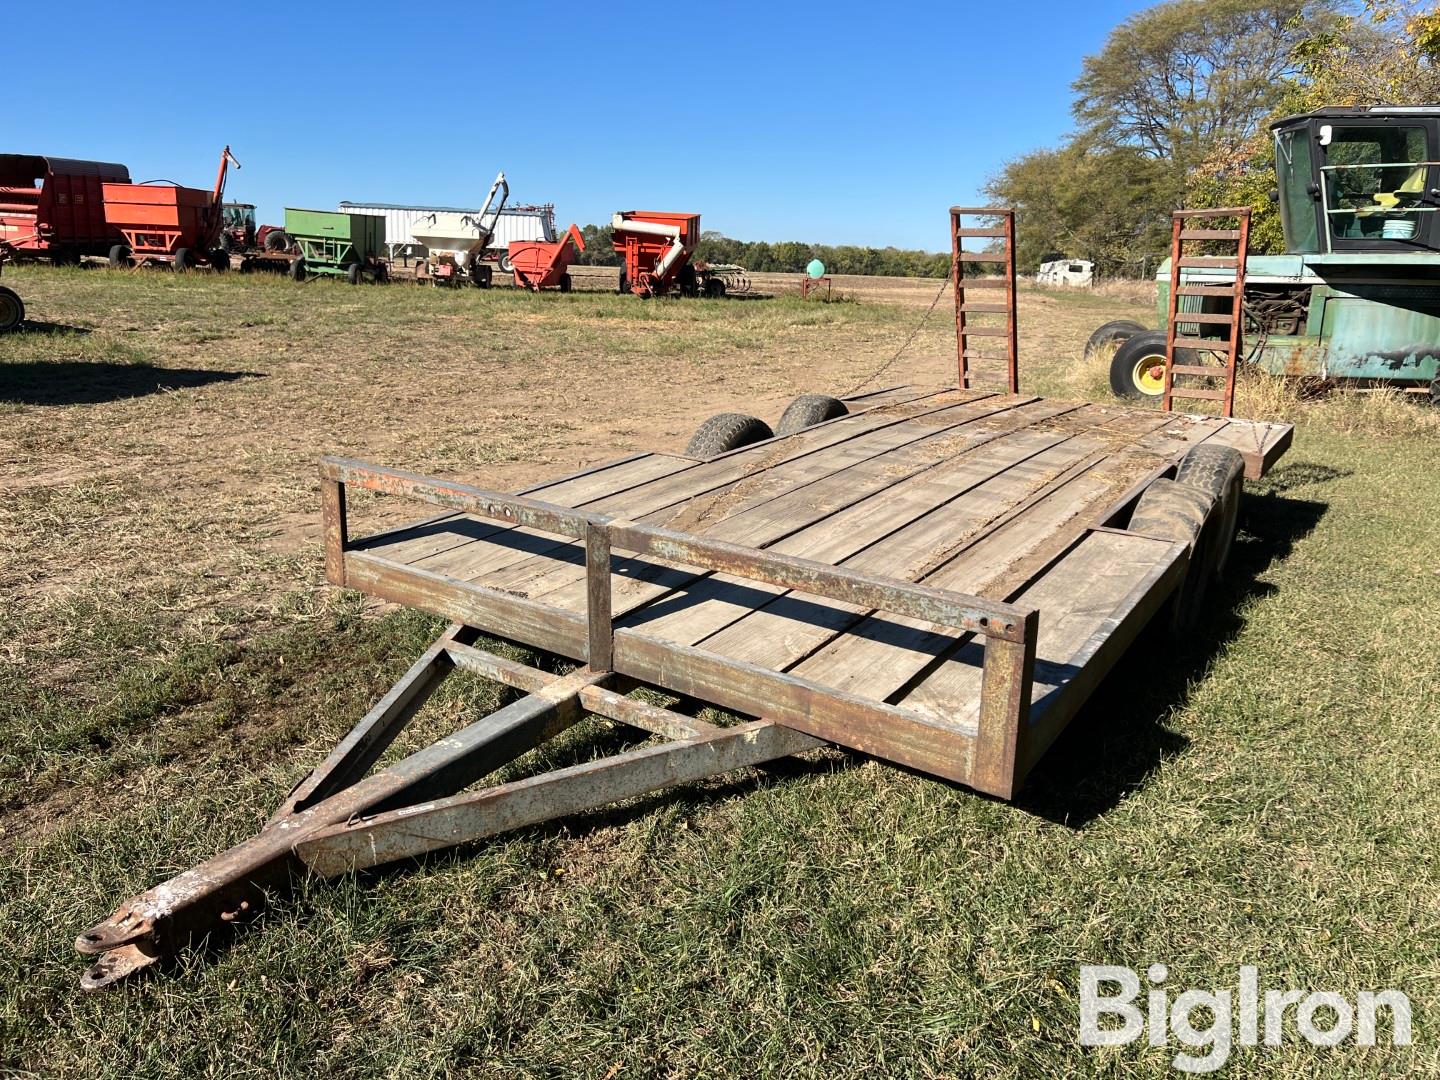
(457, 241)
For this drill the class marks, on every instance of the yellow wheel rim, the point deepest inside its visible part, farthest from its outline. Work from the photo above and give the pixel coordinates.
(1149, 375)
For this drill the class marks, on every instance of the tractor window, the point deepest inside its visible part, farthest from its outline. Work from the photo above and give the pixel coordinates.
(1297, 206)
(1375, 181)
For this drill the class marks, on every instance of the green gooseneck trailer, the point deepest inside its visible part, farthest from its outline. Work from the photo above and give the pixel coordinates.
(337, 245)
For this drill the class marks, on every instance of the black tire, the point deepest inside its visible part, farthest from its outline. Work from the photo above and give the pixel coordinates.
(354, 273)
(1435, 390)
(12, 310)
(297, 269)
(566, 283)
(1114, 333)
(506, 266)
(1219, 471)
(276, 241)
(714, 289)
(64, 257)
(808, 410)
(220, 260)
(624, 286)
(184, 260)
(1173, 511)
(119, 257)
(727, 431)
(227, 242)
(382, 273)
(687, 281)
(481, 276)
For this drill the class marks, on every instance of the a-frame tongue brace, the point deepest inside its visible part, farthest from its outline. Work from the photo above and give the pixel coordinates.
(339, 819)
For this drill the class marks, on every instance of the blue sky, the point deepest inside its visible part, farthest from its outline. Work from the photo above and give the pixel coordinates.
(822, 122)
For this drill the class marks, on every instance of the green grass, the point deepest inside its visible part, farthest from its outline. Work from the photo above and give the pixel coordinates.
(1263, 793)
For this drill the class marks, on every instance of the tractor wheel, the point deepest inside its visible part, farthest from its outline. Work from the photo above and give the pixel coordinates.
(277, 241)
(1138, 369)
(184, 260)
(120, 257)
(624, 286)
(808, 410)
(1114, 333)
(727, 431)
(714, 289)
(354, 273)
(12, 310)
(566, 282)
(506, 265)
(220, 260)
(297, 269)
(1219, 471)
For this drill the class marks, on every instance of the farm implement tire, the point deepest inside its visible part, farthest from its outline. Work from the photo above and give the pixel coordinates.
(220, 260)
(1114, 333)
(1168, 510)
(724, 432)
(297, 269)
(354, 273)
(714, 289)
(1219, 471)
(808, 410)
(120, 257)
(12, 310)
(382, 274)
(481, 276)
(1138, 369)
(566, 283)
(1435, 390)
(276, 241)
(624, 286)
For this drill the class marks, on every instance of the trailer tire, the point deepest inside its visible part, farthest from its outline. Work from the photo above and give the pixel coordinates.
(624, 286)
(1115, 332)
(277, 241)
(808, 410)
(727, 431)
(220, 260)
(566, 282)
(1219, 471)
(12, 310)
(1169, 510)
(297, 269)
(382, 273)
(184, 260)
(120, 257)
(714, 289)
(481, 276)
(507, 266)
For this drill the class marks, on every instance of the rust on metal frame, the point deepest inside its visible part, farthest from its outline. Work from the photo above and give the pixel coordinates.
(1229, 346)
(963, 284)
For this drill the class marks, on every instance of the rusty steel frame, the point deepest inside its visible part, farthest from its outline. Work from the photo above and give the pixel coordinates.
(1005, 258)
(810, 285)
(1180, 235)
(342, 817)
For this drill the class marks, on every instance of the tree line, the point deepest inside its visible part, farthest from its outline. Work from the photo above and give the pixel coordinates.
(787, 256)
(1174, 112)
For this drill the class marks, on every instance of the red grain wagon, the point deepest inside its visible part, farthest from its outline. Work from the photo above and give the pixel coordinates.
(54, 207)
(166, 223)
(540, 265)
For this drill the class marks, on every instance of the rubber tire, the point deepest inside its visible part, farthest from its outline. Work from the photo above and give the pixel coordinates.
(382, 273)
(354, 273)
(566, 283)
(184, 260)
(727, 431)
(1219, 471)
(119, 257)
(297, 269)
(624, 286)
(1115, 332)
(506, 265)
(808, 410)
(12, 310)
(1136, 346)
(220, 260)
(277, 241)
(1174, 511)
(1435, 390)
(714, 289)
(481, 276)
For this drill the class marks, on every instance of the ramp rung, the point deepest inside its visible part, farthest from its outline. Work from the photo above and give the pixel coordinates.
(1187, 342)
(1221, 212)
(983, 283)
(981, 256)
(1209, 371)
(980, 232)
(996, 309)
(1208, 262)
(1201, 318)
(1220, 292)
(985, 331)
(1203, 395)
(1210, 234)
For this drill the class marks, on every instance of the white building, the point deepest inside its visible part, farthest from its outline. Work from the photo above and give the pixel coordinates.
(514, 223)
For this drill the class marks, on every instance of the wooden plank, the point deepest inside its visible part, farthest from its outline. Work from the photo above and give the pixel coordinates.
(1261, 443)
(1086, 589)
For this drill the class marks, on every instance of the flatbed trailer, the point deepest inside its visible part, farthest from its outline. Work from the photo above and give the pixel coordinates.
(939, 578)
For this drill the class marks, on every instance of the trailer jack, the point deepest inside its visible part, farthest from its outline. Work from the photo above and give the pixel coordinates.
(340, 819)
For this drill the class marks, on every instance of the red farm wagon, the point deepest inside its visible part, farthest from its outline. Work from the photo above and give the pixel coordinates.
(167, 223)
(54, 207)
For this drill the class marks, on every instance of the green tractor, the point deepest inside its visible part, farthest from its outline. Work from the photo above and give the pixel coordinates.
(1355, 300)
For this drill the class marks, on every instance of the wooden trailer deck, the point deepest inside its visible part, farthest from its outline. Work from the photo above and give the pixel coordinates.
(1002, 503)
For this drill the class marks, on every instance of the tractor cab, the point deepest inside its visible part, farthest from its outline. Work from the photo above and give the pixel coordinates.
(1361, 179)
(237, 228)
